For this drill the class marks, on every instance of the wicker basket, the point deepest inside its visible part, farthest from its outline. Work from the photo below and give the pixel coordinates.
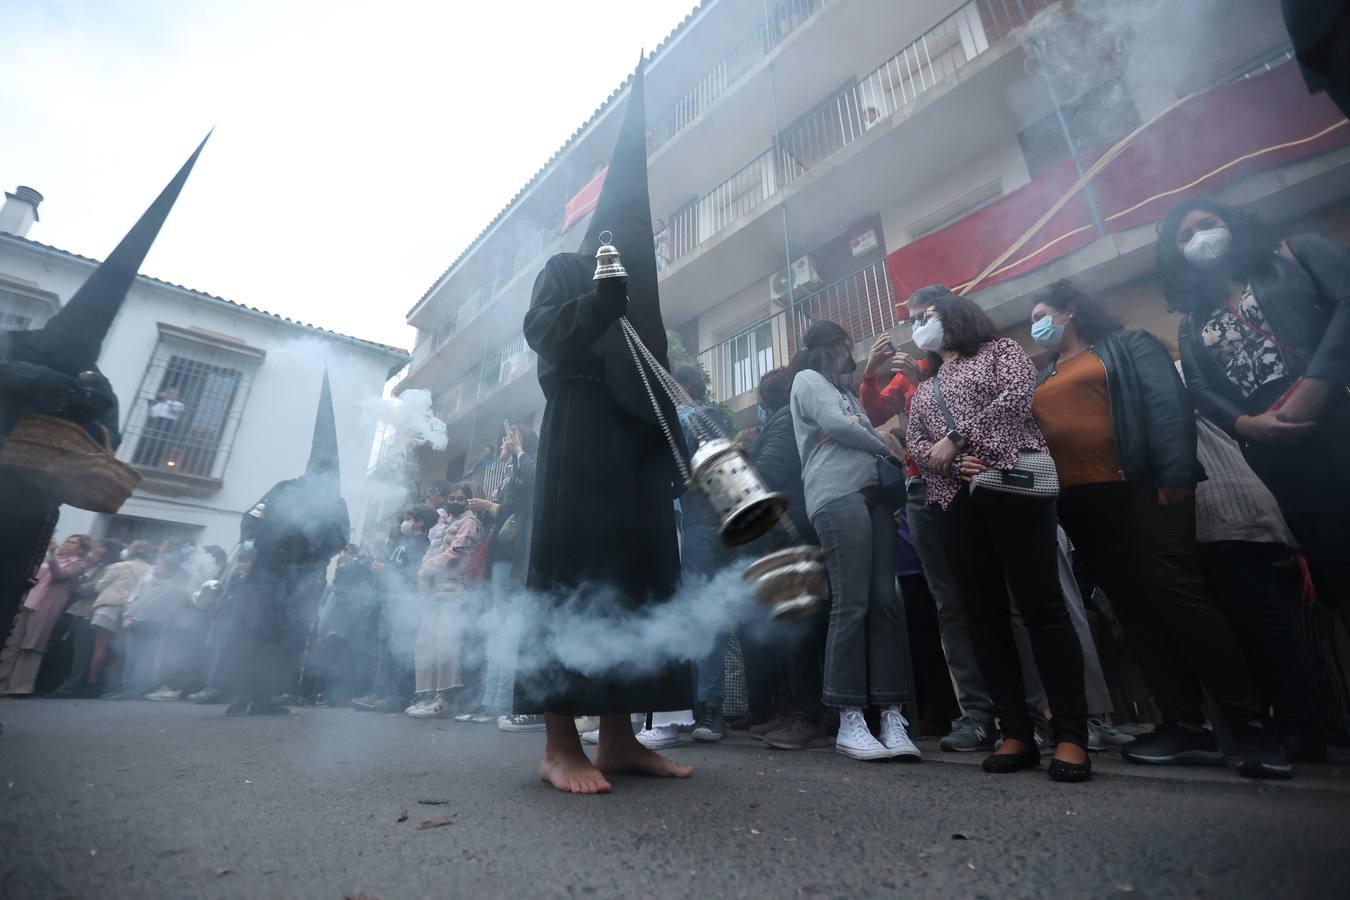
(73, 467)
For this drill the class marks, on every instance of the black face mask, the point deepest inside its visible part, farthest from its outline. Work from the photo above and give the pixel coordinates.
(454, 508)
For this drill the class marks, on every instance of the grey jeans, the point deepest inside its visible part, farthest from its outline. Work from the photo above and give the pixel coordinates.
(867, 649)
(970, 689)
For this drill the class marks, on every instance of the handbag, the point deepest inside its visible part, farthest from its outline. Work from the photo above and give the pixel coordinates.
(1033, 475)
(891, 489)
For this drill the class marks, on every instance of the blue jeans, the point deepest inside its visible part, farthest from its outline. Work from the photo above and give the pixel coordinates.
(503, 642)
(700, 557)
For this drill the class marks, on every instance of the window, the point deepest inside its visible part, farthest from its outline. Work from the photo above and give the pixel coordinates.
(185, 416)
(752, 356)
(22, 307)
(134, 528)
(1100, 115)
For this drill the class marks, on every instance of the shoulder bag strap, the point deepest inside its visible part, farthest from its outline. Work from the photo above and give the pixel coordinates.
(942, 404)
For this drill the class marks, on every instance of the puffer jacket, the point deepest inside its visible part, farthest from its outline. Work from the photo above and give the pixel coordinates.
(774, 456)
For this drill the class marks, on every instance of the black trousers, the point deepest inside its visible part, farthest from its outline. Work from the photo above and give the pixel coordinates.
(1311, 482)
(935, 699)
(1143, 556)
(1000, 542)
(1246, 583)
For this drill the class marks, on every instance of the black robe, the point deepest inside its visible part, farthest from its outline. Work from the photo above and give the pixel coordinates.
(604, 520)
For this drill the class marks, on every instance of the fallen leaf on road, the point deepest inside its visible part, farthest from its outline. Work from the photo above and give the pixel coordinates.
(433, 823)
(403, 816)
(433, 802)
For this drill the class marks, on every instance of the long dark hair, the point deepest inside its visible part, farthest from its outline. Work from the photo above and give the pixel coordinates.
(1090, 318)
(965, 327)
(825, 346)
(1189, 288)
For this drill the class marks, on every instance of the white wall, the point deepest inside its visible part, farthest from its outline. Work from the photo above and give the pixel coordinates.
(277, 423)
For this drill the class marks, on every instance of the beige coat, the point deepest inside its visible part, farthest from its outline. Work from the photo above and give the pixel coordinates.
(119, 582)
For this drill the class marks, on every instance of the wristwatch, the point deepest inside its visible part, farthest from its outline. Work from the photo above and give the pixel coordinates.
(955, 437)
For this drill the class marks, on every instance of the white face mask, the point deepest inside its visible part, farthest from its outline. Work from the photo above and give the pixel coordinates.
(124, 555)
(406, 527)
(928, 335)
(1206, 248)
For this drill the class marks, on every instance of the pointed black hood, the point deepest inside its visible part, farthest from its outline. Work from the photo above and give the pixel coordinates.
(75, 334)
(625, 209)
(323, 449)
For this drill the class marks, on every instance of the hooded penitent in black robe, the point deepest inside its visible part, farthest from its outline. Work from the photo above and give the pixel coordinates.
(296, 529)
(52, 371)
(604, 541)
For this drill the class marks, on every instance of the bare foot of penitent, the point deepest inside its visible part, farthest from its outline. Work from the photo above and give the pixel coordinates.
(621, 754)
(572, 772)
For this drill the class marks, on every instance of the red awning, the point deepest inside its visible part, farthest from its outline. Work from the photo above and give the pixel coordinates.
(585, 200)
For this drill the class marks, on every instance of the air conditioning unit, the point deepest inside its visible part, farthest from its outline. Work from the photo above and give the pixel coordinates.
(779, 286)
(804, 275)
(799, 278)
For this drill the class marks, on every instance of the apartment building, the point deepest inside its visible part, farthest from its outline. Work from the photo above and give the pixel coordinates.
(217, 398)
(824, 158)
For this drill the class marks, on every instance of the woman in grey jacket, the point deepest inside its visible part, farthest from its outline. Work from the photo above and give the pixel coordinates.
(866, 651)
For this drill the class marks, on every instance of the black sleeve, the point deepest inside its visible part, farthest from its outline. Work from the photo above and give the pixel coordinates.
(774, 455)
(1169, 412)
(1212, 404)
(567, 315)
(1328, 264)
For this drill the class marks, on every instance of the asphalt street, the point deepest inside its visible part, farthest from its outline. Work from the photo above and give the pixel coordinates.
(139, 799)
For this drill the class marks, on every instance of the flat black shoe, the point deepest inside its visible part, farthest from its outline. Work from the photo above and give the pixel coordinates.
(1005, 763)
(1172, 745)
(1069, 773)
(1260, 754)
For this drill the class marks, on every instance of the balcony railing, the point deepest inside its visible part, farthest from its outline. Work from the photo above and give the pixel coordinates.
(920, 66)
(723, 78)
(503, 366)
(862, 302)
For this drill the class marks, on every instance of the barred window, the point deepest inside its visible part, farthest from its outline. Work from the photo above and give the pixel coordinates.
(188, 409)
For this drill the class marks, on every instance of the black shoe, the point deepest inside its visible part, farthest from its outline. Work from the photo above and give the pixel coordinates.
(267, 708)
(710, 726)
(1172, 745)
(1070, 773)
(1260, 754)
(1005, 763)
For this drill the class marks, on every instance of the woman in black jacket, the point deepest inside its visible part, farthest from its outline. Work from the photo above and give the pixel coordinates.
(1122, 432)
(1265, 346)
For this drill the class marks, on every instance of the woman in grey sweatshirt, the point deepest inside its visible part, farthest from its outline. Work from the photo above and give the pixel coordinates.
(866, 651)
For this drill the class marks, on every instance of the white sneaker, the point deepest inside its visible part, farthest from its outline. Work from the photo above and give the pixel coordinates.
(419, 702)
(659, 737)
(591, 737)
(436, 709)
(587, 723)
(164, 693)
(895, 736)
(856, 740)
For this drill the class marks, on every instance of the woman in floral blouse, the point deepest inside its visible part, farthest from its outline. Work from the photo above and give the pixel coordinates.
(998, 538)
(1265, 346)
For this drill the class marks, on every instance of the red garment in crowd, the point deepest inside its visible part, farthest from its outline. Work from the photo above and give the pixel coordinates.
(885, 403)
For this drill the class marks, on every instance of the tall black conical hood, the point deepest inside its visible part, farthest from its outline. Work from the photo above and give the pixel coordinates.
(624, 208)
(323, 449)
(76, 333)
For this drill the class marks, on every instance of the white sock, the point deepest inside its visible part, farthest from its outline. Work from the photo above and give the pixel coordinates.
(895, 708)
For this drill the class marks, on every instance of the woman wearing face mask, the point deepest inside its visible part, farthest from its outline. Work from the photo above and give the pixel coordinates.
(1122, 432)
(866, 645)
(1265, 347)
(998, 541)
(440, 630)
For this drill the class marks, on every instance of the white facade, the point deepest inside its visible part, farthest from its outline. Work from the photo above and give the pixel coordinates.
(249, 386)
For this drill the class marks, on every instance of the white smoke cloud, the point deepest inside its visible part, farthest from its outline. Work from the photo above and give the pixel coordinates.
(410, 417)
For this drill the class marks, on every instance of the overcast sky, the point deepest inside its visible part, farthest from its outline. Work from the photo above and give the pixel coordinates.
(359, 146)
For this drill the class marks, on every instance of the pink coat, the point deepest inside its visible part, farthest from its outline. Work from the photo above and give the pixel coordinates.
(48, 599)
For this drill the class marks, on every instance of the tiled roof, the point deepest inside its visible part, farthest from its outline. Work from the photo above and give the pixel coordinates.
(534, 179)
(393, 352)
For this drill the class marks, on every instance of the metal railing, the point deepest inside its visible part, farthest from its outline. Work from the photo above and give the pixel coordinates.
(723, 78)
(934, 57)
(863, 302)
(502, 366)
